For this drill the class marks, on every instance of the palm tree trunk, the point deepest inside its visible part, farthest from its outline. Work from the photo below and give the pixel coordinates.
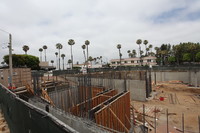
(56, 61)
(146, 49)
(119, 57)
(52, 64)
(84, 56)
(63, 64)
(140, 55)
(59, 59)
(71, 57)
(45, 55)
(41, 56)
(87, 55)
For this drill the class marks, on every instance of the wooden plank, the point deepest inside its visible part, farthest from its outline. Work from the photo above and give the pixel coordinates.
(119, 120)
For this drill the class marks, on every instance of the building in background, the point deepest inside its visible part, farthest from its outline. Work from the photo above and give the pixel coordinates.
(136, 61)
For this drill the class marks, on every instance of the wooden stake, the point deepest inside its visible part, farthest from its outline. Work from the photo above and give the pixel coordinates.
(183, 122)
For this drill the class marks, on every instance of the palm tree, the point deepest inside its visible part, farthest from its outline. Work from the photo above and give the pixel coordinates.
(145, 42)
(83, 47)
(90, 59)
(40, 49)
(71, 42)
(87, 44)
(134, 53)
(69, 62)
(45, 48)
(101, 59)
(52, 61)
(63, 56)
(119, 47)
(25, 48)
(147, 51)
(129, 53)
(150, 47)
(139, 41)
(59, 46)
(56, 53)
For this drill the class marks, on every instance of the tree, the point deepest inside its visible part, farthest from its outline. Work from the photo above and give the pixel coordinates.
(63, 56)
(71, 42)
(139, 41)
(172, 60)
(145, 43)
(25, 48)
(119, 47)
(147, 51)
(52, 61)
(45, 48)
(83, 47)
(56, 53)
(40, 49)
(197, 56)
(24, 61)
(129, 53)
(150, 48)
(69, 62)
(187, 57)
(134, 53)
(101, 59)
(87, 44)
(59, 47)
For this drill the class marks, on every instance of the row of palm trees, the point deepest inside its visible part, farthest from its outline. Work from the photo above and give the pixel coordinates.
(59, 46)
(71, 42)
(133, 53)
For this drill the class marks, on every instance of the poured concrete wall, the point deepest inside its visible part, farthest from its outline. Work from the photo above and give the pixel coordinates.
(190, 77)
(80, 125)
(137, 88)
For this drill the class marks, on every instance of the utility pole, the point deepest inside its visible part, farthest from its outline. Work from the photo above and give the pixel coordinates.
(10, 60)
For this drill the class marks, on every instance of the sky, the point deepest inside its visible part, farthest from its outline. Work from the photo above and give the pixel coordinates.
(105, 23)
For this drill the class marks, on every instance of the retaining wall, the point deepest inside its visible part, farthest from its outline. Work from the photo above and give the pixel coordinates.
(190, 77)
(137, 88)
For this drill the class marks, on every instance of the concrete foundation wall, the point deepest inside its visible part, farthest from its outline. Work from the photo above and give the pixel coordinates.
(137, 88)
(74, 122)
(190, 77)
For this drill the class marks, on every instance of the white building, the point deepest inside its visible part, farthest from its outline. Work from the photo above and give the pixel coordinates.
(136, 61)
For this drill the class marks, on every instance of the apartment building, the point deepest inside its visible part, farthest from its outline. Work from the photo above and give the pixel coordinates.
(136, 61)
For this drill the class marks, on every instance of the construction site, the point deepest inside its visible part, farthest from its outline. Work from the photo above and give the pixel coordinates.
(137, 101)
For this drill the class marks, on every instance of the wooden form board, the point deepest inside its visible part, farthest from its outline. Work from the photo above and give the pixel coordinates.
(84, 92)
(116, 115)
(83, 107)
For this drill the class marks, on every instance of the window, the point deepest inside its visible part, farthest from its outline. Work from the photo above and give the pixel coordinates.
(125, 61)
(113, 62)
(118, 62)
(148, 60)
(132, 61)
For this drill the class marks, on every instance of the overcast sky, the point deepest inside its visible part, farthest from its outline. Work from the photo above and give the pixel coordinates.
(105, 23)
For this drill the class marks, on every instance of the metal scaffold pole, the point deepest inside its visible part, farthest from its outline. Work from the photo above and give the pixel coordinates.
(10, 60)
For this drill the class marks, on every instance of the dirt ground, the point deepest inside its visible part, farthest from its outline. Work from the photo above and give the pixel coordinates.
(3, 125)
(179, 99)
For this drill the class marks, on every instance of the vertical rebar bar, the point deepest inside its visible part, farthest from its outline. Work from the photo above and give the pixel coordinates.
(155, 119)
(183, 122)
(199, 123)
(144, 117)
(167, 121)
